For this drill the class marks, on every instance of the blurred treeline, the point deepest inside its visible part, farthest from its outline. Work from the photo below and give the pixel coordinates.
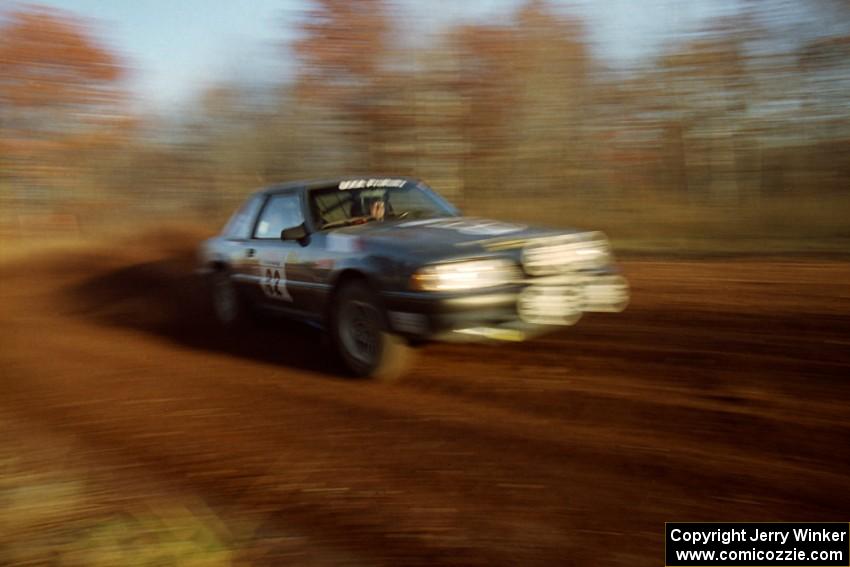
(735, 136)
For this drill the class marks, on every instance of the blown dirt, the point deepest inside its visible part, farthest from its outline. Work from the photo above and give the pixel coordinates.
(720, 394)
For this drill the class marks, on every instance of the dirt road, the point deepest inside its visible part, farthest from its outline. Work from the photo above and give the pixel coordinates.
(721, 394)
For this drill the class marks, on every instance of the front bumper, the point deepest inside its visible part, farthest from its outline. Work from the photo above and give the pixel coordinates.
(512, 313)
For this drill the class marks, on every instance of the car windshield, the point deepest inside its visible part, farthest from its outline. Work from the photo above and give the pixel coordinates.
(344, 205)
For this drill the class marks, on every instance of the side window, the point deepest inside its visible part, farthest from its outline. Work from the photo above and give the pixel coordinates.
(402, 200)
(239, 225)
(281, 211)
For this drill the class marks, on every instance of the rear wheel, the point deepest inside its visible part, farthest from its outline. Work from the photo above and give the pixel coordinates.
(228, 307)
(362, 338)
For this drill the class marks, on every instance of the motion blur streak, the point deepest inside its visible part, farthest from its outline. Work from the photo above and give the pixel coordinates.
(135, 432)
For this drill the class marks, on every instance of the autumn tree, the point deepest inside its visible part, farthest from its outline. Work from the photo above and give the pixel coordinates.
(343, 46)
(738, 104)
(60, 96)
(344, 52)
(527, 83)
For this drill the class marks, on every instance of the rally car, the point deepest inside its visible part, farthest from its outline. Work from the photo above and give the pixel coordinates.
(385, 263)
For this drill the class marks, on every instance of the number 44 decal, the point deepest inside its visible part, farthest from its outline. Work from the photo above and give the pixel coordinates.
(273, 283)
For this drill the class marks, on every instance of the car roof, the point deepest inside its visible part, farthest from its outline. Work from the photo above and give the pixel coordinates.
(324, 183)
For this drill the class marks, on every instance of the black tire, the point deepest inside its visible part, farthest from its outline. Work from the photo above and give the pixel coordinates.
(360, 334)
(228, 306)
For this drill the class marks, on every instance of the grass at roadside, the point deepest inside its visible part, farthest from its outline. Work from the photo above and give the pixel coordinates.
(58, 506)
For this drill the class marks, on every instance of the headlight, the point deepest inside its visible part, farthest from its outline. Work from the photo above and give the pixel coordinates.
(580, 251)
(460, 276)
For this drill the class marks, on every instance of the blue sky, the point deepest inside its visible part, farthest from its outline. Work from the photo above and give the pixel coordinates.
(177, 47)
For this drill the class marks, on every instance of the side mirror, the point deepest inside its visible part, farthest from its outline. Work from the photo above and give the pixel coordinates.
(297, 233)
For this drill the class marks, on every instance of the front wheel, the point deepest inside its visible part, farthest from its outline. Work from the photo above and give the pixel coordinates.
(362, 338)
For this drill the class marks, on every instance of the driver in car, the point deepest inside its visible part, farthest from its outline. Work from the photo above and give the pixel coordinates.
(377, 209)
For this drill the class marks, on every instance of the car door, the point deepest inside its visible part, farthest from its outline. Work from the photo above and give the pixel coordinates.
(236, 248)
(277, 266)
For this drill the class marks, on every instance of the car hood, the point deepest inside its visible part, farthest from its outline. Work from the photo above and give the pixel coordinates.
(448, 236)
